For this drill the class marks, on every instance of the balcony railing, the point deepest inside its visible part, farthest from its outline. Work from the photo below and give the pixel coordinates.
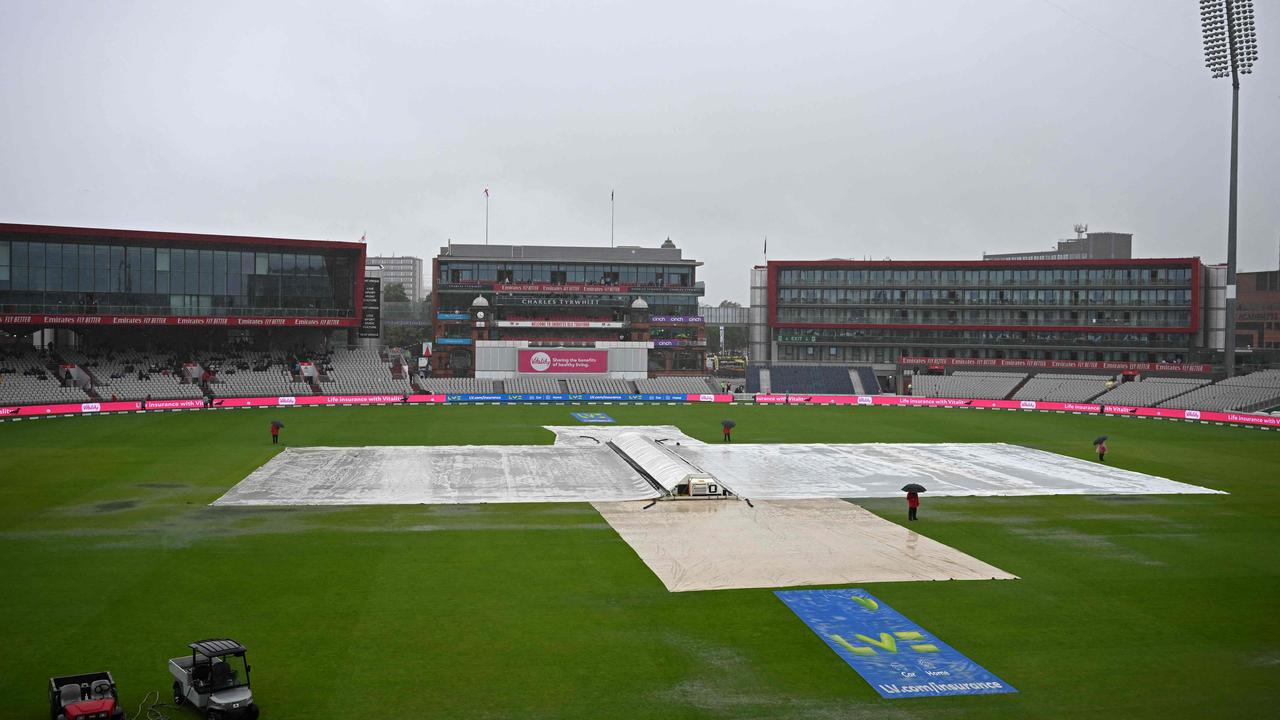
(168, 311)
(1057, 284)
(971, 342)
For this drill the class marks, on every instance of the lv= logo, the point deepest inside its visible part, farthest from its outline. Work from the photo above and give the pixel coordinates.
(887, 642)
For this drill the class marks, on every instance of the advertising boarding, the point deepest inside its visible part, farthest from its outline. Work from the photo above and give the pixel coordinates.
(555, 362)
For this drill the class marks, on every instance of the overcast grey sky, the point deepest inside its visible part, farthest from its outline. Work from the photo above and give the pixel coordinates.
(908, 129)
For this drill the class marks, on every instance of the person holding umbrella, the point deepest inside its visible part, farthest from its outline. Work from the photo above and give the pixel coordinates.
(275, 431)
(728, 426)
(1100, 444)
(913, 491)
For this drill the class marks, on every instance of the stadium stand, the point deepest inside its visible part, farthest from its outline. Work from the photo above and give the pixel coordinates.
(1246, 393)
(526, 385)
(362, 371)
(984, 385)
(1062, 387)
(132, 375)
(27, 377)
(444, 386)
(598, 385)
(870, 384)
(678, 385)
(832, 379)
(1149, 392)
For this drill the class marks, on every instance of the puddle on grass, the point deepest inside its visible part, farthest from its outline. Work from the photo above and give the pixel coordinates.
(1098, 545)
(116, 505)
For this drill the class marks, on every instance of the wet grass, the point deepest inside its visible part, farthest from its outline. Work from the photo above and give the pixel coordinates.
(1158, 606)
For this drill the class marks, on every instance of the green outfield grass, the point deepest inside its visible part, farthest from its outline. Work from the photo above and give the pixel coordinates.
(1128, 607)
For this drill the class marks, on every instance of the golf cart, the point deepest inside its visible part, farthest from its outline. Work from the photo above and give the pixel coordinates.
(215, 680)
(80, 697)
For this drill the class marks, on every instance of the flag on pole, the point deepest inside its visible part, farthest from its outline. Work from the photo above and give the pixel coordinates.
(610, 196)
(766, 246)
(362, 236)
(486, 192)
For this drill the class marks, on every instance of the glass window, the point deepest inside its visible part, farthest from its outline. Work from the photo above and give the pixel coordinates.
(36, 256)
(162, 259)
(4, 253)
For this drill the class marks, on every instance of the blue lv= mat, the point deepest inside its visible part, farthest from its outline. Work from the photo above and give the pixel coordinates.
(899, 658)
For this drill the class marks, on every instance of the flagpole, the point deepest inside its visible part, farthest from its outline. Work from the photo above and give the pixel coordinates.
(610, 218)
(486, 216)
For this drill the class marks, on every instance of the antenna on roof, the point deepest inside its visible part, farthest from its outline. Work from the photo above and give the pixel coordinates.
(1081, 229)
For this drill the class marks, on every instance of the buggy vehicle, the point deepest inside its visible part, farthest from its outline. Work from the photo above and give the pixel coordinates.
(84, 697)
(214, 679)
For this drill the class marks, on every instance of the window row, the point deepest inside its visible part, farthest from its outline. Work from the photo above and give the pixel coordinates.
(557, 273)
(1135, 318)
(847, 296)
(881, 354)
(121, 258)
(983, 276)
(983, 337)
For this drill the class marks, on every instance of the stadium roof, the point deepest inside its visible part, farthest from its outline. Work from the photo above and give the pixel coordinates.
(566, 253)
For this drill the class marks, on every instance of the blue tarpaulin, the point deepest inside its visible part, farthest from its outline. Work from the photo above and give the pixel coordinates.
(592, 417)
(899, 658)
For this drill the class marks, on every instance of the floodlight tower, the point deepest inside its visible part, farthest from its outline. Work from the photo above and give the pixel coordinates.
(1230, 48)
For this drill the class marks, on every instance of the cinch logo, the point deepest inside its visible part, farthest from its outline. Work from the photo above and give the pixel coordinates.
(286, 401)
(1027, 404)
(1192, 415)
(90, 407)
(865, 400)
(706, 398)
(540, 362)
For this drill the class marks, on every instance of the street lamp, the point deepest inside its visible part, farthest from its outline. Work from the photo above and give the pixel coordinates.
(1230, 48)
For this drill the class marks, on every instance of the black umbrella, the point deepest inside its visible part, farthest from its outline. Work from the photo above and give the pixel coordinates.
(1100, 439)
(277, 424)
(728, 423)
(913, 487)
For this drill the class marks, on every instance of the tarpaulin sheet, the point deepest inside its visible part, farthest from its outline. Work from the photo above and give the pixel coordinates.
(880, 470)
(440, 475)
(721, 544)
(589, 435)
(899, 658)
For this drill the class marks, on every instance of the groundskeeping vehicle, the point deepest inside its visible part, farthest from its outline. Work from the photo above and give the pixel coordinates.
(214, 679)
(90, 696)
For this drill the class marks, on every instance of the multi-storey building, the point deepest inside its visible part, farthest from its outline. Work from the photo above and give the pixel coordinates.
(110, 283)
(876, 312)
(404, 270)
(559, 296)
(1258, 310)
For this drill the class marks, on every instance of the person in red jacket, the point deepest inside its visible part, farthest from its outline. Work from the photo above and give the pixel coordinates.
(1102, 452)
(275, 433)
(913, 504)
